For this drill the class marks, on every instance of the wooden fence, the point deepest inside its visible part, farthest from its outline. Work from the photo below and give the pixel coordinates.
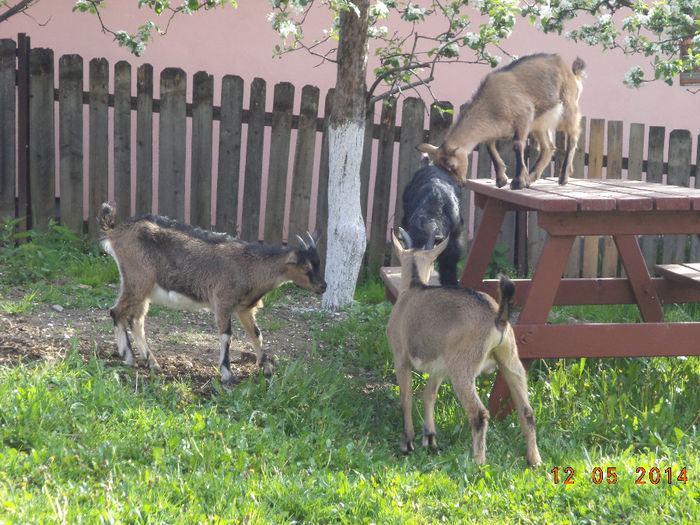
(230, 161)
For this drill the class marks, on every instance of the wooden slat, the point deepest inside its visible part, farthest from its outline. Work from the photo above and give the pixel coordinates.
(202, 143)
(655, 166)
(506, 236)
(228, 176)
(144, 139)
(98, 140)
(529, 197)
(122, 138)
(684, 273)
(589, 266)
(23, 204)
(172, 144)
(613, 171)
(253, 164)
(679, 154)
(695, 239)
(282, 104)
(7, 128)
(409, 157)
(377, 246)
(635, 160)
(441, 114)
(41, 137)
(70, 114)
(304, 163)
(366, 165)
(573, 265)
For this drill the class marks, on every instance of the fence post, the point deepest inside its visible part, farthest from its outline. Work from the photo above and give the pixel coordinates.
(42, 151)
(122, 138)
(70, 114)
(7, 128)
(655, 170)
(98, 139)
(304, 153)
(322, 203)
(201, 160)
(613, 171)
(144, 139)
(230, 127)
(679, 158)
(253, 161)
(280, 137)
(172, 143)
(376, 252)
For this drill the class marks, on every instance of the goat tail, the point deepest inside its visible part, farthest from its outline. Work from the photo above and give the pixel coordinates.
(506, 291)
(106, 216)
(578, 66)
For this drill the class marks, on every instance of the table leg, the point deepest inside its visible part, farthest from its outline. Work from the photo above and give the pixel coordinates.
(483, 244)
(536, 307)
(639, 278)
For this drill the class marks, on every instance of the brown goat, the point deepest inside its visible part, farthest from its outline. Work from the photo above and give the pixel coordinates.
(456, 333)
(177, 265)
(534, 94)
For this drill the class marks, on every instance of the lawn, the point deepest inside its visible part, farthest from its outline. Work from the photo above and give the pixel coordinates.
(84, 441)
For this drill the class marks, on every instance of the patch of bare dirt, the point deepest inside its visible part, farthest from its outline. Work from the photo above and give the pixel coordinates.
(186, 344)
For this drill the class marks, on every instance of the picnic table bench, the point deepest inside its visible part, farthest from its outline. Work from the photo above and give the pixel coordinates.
(621, 209)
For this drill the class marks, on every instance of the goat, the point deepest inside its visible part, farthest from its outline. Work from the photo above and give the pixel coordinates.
(531, 95)
(456, 333)
(180, 266)
(431, 214)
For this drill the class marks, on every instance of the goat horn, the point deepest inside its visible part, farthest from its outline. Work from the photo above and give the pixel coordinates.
(302, 243)
(430, 244)
(406, 238)
(312, 244)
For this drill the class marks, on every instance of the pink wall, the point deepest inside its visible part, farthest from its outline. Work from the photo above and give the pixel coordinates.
(240, 41)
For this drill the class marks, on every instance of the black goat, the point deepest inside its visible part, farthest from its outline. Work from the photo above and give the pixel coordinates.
(431, 213)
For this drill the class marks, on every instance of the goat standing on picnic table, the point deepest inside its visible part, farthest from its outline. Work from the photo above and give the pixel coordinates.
(181, 266)
(431, 214)
(456, 333)
(531, 95)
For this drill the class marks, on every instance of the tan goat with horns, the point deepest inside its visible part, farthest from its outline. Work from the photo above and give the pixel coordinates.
(456, 333)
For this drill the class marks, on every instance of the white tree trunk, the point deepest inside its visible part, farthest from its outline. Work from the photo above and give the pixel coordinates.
(346, 229)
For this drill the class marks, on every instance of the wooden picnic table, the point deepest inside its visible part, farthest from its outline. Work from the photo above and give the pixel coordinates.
(621, 209)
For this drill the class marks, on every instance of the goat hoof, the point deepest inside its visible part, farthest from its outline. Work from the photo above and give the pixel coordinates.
(429, 442)
(517, 184)
(501, 182)
(406, 447)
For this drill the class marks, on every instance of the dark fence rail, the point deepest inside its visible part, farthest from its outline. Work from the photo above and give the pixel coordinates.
(263, 174)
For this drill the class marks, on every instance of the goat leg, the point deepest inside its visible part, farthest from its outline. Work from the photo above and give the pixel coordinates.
(139, 333)
(429, 398)
(403, 377)
(498, 165)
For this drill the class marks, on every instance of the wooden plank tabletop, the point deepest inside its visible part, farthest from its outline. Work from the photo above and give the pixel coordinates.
(592, 195)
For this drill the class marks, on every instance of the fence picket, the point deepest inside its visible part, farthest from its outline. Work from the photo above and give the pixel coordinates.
(7, 128)
(613, 171)
(202, 142)
(412, 116)
(70, 131)
(230, 127)
(376, 249)
(98, 165)
(172, 143)
(122, 138)
(655, 168)
(144, 139)
(695, 239)
(300, 203)
(679, 155)
(282, 105)
(635, 162)
(322, 203)
(252, 182)
(595, 171)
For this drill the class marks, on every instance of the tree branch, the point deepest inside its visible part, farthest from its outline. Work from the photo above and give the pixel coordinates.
(22, 6)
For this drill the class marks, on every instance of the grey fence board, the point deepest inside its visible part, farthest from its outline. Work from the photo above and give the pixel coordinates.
(655, 168)
(322, 203)
(695, 239)
(7, 128)
(377, 248)
(304, 154)
(254, 157)
(202, 140)
(635, 162)
(70, 113)
(230, 128)
(679, 155)
(122, 138)
(172, 143)
(144, 139)
(41, 137)
(98, 139)
(366, 164)
(412, 116)
(282, 106)
(613, 170)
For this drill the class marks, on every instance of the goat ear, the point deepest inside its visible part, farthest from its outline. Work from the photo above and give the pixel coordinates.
(427, 148)
(438, 249)
(397, 243)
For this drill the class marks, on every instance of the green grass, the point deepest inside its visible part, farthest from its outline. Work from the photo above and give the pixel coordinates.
(318, 442)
